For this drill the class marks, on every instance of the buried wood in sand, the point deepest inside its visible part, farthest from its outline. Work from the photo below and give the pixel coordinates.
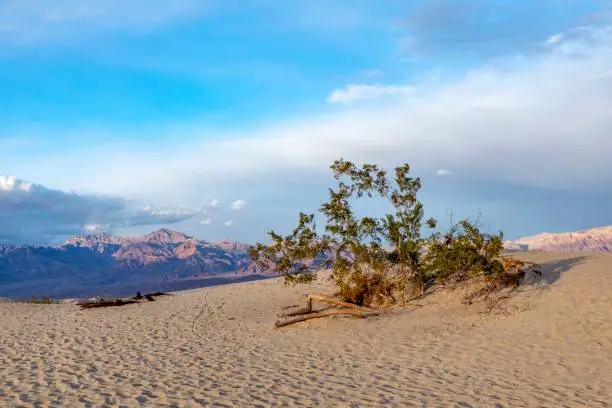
(307, 313)
(491, 294)
(120, 302)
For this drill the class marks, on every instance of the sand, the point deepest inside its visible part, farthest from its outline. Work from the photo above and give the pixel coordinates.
(550, 345)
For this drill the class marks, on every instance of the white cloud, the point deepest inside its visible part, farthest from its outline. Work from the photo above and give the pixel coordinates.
(554, 39)
(443, 172)
(91, 228)
(538, 120)
(483, 28)
(213, 204)
(206, 221)
(10, 183)
(353, 93)
(238, 204)
(37, 215)
(228, 223)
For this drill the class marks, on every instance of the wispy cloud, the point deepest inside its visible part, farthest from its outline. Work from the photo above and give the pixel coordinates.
(30, 213)
(443, 172)
(539, 120)
(489, 28)
(206, 221)
(213, 204)
(359, 92)
(238, 205)
(228, 223)
(554, 39)
(36, 21)
(45, 22)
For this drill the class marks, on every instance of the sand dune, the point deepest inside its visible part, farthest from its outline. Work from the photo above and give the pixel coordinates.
(550, 346)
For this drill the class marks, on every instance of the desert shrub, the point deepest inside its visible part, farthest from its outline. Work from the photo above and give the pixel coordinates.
(463, 252)
(378, 260)
(43, 300)
(363, 270)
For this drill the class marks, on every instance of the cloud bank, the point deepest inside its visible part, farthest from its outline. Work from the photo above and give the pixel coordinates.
(33, 214)
(536, 121)
(540, 120)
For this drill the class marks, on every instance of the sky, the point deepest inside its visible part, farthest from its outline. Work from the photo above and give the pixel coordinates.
(220, 119)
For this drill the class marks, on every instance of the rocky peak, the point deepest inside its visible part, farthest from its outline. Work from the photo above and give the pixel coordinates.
(166, 236)
(233, 246)
(92, 240)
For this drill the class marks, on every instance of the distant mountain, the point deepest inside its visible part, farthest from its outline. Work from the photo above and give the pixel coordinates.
(593, 240)
(233, 246)
(104, 264)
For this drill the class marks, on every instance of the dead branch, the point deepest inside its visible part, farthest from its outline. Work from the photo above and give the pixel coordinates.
(107, 303)
(491, 305)
(422, 295)
(336, 312)
(323, 299)
(289, 307)
(303, 311)
(120, 302)
(335, 302)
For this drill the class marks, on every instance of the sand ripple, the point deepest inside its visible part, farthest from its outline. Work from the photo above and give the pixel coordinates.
(552, 347)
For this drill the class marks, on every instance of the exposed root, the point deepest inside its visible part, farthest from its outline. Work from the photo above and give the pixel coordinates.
(335, 302)
(289, 307)
(308, 313)
(334, 312)
(303, 311)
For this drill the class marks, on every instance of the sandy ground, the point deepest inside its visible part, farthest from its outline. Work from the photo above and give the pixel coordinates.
(551, 345)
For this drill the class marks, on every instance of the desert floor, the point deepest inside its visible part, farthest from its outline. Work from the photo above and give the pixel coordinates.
(550, 345)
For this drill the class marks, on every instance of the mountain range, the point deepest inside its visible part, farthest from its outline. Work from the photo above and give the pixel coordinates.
(102, 264)
(592, 240)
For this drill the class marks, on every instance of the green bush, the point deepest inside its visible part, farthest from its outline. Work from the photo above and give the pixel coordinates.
(379, 260)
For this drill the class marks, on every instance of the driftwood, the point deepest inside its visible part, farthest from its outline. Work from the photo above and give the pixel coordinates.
(334, 312)
(307, 313)
(107, 303)
(304, 311)
(335, 302)
(121, 302)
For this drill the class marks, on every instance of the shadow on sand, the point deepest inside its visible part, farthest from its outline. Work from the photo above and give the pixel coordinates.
(552, 271)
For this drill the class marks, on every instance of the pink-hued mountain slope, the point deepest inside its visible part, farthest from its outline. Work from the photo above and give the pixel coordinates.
(592, 240)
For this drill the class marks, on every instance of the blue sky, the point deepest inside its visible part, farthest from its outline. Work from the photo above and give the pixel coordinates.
(178, 104)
